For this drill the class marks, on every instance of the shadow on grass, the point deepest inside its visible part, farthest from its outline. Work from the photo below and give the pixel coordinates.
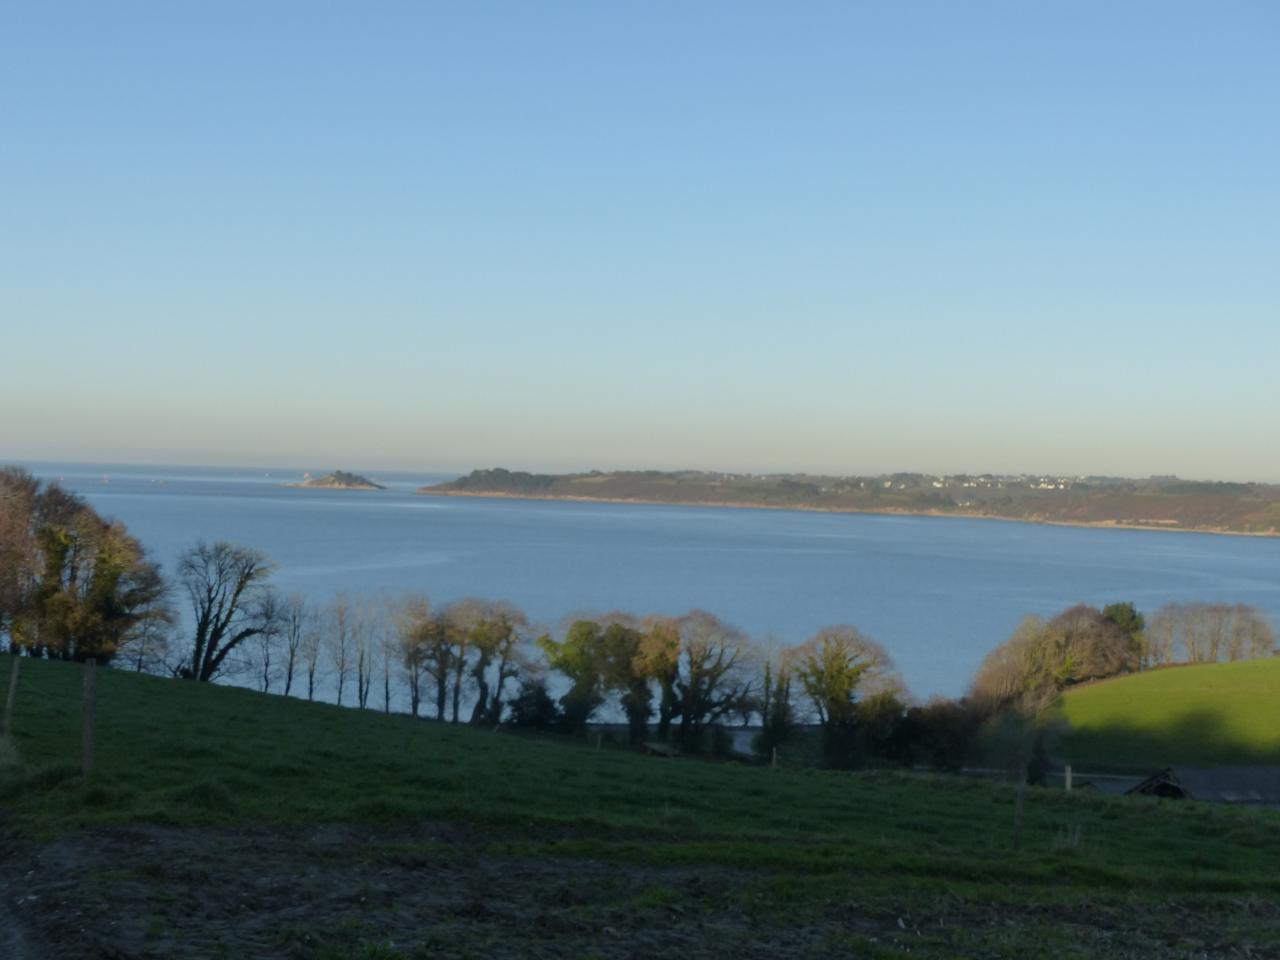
(1198, 738)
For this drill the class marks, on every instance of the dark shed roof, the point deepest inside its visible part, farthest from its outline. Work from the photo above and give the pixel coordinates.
(1255, 786)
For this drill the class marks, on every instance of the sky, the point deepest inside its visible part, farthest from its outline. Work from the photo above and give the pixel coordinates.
(845, 237)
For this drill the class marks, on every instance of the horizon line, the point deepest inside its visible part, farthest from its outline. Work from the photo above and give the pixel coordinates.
(21, 461)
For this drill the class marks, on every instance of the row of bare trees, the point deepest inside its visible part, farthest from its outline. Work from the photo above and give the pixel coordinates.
(465, 654)
(480, 662)
(463, 661)
(1206, 633)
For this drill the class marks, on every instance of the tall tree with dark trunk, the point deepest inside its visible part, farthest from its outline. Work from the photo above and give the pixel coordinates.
(658, 656)
(339, 640)
(626, 673)
(777, 714)
(712, 683)
(413, 623)
(311, 648)
(493, 637)
(229, 594)
(294, 630)
(433, 650)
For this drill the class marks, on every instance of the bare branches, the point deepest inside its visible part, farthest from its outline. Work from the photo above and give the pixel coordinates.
(338, 640)
(1208, 633)
(230, 603)
(711, 682)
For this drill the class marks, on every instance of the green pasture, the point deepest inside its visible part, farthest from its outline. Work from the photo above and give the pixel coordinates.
(1200, 715)
(800, 843)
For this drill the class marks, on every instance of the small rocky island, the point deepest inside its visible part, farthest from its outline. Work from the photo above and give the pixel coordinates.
(338, 480)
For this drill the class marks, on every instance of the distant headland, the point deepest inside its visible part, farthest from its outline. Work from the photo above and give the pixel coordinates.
(338, 480)
(1154, 503)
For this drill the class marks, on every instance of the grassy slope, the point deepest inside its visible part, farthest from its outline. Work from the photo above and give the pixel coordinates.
(809, 843)
(1204, 715)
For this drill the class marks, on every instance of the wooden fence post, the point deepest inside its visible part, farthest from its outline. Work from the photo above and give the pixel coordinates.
(86, 716)
(14, 663)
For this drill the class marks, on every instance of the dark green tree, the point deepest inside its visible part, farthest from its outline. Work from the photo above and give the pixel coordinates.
(832, 668)
(72, 585)
(582, 659)
(627, 675)
(532, 708)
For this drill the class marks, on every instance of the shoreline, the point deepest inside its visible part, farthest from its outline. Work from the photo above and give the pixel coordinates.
(886, 512)
(325, 486)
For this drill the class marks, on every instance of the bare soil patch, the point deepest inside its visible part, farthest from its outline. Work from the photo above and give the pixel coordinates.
(441, 890)
(338, 891)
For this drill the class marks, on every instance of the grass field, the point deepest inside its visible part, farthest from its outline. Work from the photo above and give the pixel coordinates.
(1204, 715)
(305, 830)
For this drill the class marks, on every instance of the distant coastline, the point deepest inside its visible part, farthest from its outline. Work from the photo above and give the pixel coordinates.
(1163, 504)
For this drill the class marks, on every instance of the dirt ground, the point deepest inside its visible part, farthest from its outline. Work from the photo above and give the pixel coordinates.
(438, 890)
(151, 892)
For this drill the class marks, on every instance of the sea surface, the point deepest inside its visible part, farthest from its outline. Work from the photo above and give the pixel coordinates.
(936, 592)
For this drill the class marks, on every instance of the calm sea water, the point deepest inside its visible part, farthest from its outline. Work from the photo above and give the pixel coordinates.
(938, 593)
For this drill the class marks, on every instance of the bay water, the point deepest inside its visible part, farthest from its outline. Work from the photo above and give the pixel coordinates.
(936, 592)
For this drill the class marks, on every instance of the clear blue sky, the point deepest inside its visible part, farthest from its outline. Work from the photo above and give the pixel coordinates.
(848, 237)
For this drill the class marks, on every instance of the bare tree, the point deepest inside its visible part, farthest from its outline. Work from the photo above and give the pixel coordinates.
(1160, 638)
(230, 604)
(412, 625)
(437, 658)
(149, 649)
(712, 682)
(1208, 633)
(339, 640)
(774, 702)
(386, 657)
(1259, 634)
(374, 652)
(310, 649)
(266, 644)
(362, 645)
(293, 630)
(457, 617)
